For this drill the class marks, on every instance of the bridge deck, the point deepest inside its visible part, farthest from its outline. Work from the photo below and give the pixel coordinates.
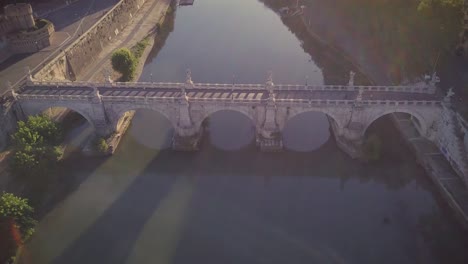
(218, 93)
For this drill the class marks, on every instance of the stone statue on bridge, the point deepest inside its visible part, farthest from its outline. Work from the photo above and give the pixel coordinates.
(449, 95)
(188, 79)
(351, 78)
(269, 82)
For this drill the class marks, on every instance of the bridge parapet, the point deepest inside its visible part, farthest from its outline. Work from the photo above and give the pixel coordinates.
(281, 101)
(425, 89)
(154, 98)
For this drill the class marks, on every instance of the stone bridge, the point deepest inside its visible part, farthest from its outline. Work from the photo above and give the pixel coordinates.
(350, 108)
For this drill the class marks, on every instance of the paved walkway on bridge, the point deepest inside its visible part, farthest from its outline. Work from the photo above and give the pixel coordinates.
(140, 90)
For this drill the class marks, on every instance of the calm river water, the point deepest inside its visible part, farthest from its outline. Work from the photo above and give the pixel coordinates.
(229, 203)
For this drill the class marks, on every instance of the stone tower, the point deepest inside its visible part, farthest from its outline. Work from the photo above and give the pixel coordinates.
(20, 16)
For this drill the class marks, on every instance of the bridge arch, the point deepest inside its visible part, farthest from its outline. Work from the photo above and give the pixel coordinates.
(247, 111)
(229, 128)
(421, 123)
(151, 127)
(42, 109)
(332, 116)
(308, 129)
(118, 114)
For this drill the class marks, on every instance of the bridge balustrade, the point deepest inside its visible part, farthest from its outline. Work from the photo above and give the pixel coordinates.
(280, 87)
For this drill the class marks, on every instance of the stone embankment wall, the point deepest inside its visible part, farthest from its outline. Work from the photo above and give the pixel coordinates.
(450, 138)
(8, 122)
(86, 49)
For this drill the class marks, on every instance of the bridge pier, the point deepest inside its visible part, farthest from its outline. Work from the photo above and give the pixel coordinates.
(187, 135)
(269, 138)
(350, 139)
(273, 143)
(187, 140)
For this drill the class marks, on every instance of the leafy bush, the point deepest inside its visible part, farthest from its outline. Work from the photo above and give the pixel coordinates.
(124, 62)
(102, 146)
(140, 47)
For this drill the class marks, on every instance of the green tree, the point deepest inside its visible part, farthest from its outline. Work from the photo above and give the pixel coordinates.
(16, 224)
(35, 145)
(124, 62)
(428, 4)
(38, 130)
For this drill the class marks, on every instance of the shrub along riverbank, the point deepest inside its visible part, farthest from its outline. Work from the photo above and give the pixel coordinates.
(127, 61)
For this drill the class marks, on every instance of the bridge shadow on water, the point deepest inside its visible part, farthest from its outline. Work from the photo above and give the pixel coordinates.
(113, 236)
(110, 239)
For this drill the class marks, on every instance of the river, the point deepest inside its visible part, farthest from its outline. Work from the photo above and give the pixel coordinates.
(230, 203)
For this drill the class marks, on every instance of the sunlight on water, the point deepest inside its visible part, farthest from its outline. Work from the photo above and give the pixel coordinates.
(159, 237)
(70, 219)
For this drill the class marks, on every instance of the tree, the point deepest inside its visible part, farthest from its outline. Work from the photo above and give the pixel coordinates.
(16, 224)
(38, 130)
(427, 4)
(35, 145)
(124, 62)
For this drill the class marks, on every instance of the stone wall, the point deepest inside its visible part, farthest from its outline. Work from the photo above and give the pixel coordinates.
(86, 49)
(19, 16)
(449, 137)
(8, 122)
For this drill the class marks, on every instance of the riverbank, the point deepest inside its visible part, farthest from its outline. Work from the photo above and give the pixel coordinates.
(152, 42)
(143, 25)
(449, 184)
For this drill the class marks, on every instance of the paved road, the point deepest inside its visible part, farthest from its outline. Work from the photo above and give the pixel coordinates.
(70, 21)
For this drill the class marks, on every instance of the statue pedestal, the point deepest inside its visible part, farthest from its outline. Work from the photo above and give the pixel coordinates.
(272, 144)
(187, 143)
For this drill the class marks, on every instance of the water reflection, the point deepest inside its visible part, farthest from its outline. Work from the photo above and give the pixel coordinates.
(151, 129)
(306, 132)
(223, 46)
(230, 130)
